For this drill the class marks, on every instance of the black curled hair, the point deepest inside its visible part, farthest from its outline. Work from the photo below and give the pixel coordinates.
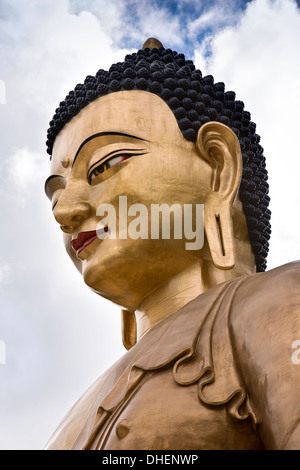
(194, 100)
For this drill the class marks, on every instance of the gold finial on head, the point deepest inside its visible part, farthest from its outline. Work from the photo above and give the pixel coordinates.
(151, 43)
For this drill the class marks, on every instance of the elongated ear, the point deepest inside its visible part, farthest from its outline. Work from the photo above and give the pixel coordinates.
(220, 147)
(128, 324)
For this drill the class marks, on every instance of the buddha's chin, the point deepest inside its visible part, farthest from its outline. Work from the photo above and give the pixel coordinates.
(125, 273)
(103, 283)
(108, 272)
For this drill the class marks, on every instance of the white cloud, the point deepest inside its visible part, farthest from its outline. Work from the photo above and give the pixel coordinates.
(5, 273)
(25, 168)
(133, 21)
(157, 22)
(219, 15)
(109, 14)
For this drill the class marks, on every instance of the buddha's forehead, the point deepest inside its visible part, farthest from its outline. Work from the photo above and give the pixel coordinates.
(135, 113)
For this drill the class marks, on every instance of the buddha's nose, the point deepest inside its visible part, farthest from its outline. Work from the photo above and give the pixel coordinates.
(70, 216)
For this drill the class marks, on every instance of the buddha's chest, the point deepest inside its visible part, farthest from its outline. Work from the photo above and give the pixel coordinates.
(160, 414)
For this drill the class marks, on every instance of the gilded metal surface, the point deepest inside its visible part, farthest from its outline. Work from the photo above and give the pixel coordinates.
(206, 311)
(66, 162)
(151, 43)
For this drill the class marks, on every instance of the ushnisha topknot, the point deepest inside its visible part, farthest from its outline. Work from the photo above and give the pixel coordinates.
(194, 100)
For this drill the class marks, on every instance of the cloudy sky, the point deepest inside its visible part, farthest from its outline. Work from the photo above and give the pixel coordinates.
(56, 336)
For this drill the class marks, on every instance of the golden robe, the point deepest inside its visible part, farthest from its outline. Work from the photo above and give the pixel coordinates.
(217, 374)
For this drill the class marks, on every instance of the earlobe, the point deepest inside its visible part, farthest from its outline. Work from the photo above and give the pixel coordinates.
(219, 146)
(220, 237)
(129, 330)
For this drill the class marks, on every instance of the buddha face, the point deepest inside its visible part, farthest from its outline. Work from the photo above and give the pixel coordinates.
(126, 144)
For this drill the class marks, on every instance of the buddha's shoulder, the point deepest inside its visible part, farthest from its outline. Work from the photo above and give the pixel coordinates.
(268, 302)
(279, 286)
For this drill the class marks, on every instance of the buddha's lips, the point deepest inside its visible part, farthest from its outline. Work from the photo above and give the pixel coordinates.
(83, 240)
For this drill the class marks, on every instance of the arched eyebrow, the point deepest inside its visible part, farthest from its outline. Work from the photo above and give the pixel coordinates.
(53, 183)
(100, 134)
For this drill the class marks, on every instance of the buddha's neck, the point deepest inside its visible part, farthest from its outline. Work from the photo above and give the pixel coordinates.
(180, 290)
(170, 297)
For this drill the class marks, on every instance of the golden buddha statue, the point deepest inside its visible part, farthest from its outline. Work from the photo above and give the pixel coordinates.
(209, 332)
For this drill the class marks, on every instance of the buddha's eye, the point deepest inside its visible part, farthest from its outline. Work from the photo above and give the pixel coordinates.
(106, 165)
(98, 169)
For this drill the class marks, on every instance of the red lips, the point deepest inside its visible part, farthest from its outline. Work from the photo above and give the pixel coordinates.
(84, 239)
